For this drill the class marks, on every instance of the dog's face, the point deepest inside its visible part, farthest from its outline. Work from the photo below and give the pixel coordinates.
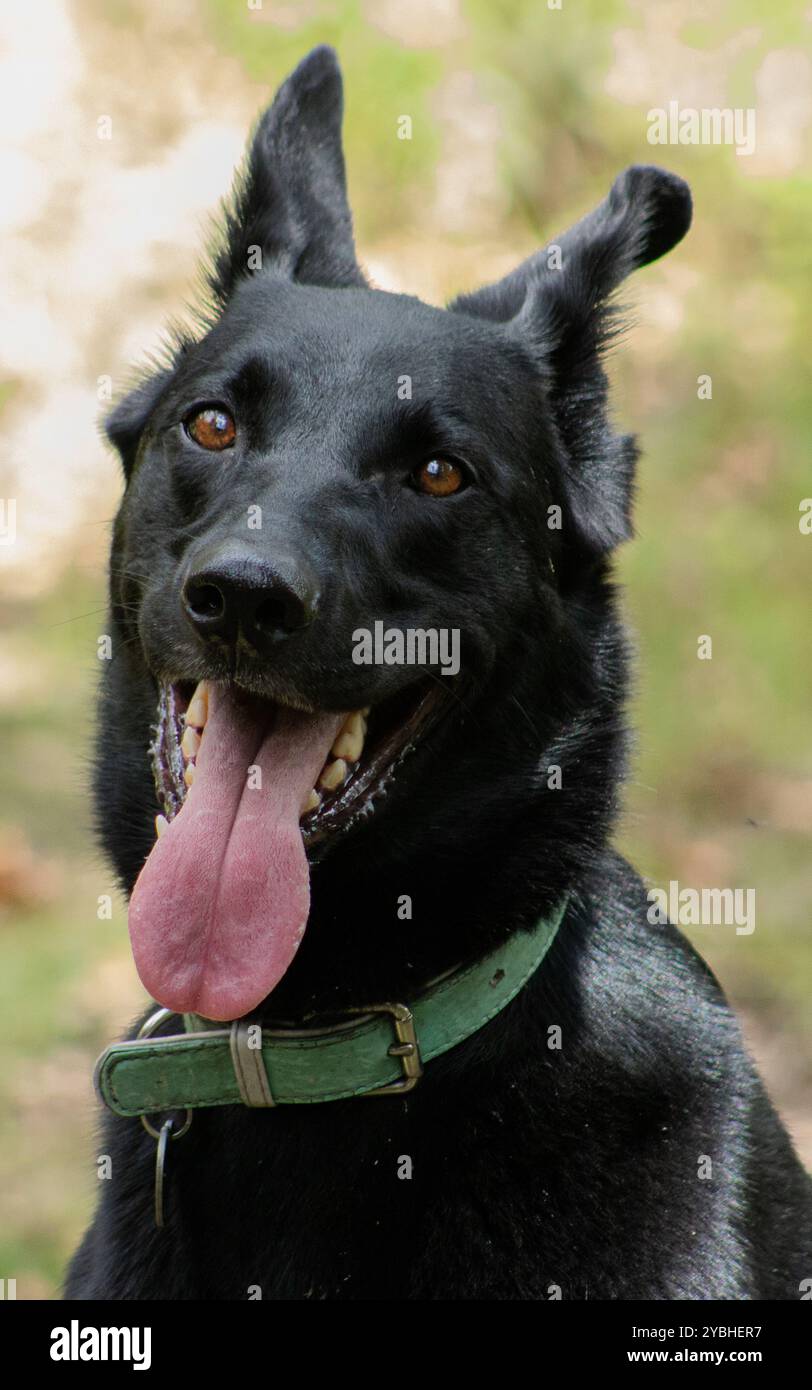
(325, 459)
(328, 470)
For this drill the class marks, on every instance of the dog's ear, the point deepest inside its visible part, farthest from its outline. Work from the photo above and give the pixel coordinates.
(558, 303)
(290, 212)
(126, 421)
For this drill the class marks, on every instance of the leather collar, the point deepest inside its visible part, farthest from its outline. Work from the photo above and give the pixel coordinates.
(375, 1050)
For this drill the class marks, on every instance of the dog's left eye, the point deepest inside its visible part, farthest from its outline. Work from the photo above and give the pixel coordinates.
(438, 477)
(212, 428)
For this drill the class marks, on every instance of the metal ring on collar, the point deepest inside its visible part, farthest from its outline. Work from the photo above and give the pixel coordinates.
(146, 1030)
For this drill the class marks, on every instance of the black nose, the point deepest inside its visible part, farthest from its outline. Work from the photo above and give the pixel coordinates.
(230, 594)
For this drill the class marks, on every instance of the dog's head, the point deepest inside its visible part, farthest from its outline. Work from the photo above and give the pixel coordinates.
(357, 565)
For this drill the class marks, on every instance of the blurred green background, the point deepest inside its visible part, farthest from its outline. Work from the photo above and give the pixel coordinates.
(521, 116)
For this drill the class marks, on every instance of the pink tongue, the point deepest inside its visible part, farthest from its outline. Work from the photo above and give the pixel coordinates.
(222, 902)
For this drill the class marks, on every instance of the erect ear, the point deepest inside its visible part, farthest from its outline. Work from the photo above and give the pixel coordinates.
(558, 304)
(291, 200)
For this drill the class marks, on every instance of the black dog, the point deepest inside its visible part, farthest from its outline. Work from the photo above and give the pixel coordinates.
(324, 458)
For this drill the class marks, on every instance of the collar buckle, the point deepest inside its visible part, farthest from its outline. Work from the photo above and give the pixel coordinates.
(405, 1046)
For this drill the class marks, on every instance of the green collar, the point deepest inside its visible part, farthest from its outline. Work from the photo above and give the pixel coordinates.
(378, 1050)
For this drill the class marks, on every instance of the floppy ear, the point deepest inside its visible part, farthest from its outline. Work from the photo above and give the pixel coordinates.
(291, 201)
(557, 303)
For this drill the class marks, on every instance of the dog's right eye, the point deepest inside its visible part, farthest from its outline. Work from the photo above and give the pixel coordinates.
(212, 428)
(438, 477)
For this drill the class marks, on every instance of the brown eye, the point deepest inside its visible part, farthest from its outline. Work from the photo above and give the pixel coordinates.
(439, 478)
(212, 428)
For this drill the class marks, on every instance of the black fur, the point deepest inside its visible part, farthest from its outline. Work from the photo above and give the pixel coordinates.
(533, 1168)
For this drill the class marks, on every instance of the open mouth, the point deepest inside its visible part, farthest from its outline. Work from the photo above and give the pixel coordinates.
(354, 778)
(251, 789)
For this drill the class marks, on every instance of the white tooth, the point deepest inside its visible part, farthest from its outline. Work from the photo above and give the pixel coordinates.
(198, 711)
(348, 746)
(312, 803)
(333, 775)
(189, 774)
(350, 740)
(190, 743)
(161, 824)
